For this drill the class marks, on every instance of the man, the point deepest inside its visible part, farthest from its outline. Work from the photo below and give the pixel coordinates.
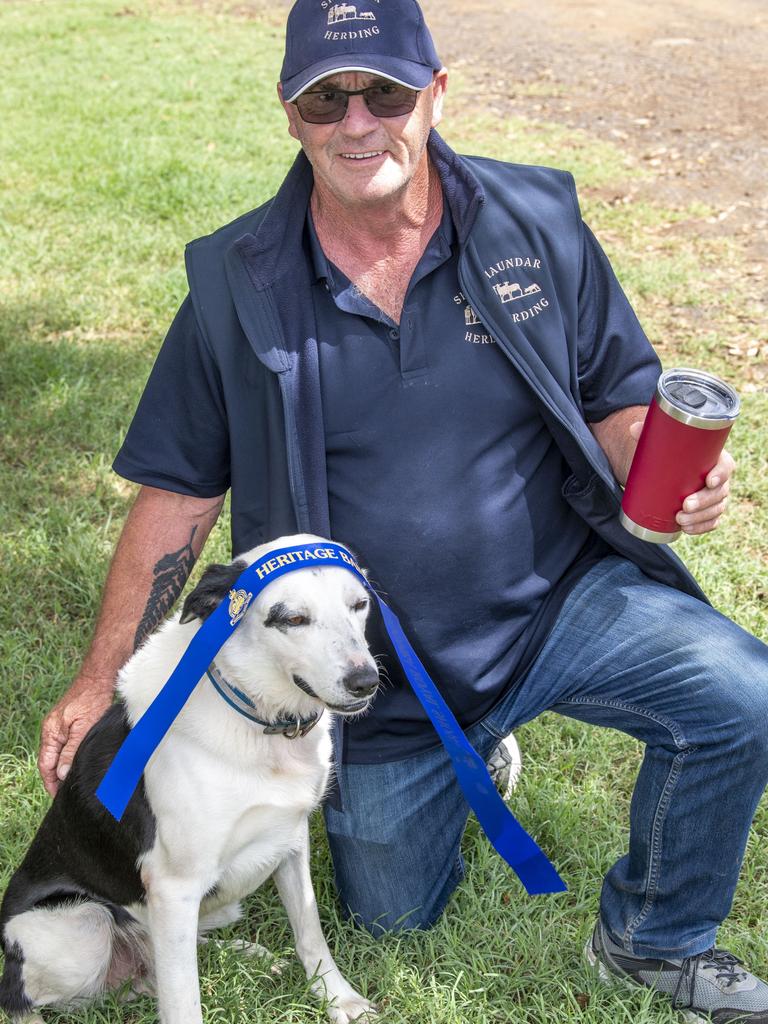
(429, 358)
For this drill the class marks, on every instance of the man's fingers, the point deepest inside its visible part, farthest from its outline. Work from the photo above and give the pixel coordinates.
(636, 429)
(703, 515)
(704, 527)
(77, 731)
(722, 472)
(706, 498)
(53, 740)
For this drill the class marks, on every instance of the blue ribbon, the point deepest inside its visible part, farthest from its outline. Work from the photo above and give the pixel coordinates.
(505, 833)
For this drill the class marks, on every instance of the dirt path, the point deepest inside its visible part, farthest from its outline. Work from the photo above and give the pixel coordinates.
(681, 85)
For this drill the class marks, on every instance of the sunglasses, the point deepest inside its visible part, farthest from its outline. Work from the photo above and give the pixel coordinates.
(327, 106)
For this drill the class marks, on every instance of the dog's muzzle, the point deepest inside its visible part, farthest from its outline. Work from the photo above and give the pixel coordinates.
(360, 683)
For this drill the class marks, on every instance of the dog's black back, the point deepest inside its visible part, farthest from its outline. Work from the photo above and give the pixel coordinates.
(80, 851)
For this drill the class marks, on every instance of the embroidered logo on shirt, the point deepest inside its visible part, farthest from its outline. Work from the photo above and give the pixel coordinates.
(512, 292)
(471, 319)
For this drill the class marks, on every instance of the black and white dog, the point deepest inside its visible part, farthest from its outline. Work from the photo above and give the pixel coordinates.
(224, 803)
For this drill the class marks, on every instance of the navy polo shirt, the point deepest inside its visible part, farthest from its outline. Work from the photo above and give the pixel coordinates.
(445, 481)
(442, 475)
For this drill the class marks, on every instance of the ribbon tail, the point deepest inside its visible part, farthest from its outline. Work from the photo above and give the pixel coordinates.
(125, 771)
(504, 831)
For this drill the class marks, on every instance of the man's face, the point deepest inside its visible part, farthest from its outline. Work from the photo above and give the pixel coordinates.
(392, 147)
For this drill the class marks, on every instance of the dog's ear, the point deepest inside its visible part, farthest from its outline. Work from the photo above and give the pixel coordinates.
(214, 585)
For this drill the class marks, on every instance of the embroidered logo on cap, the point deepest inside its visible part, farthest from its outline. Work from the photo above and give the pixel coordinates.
(348, 12)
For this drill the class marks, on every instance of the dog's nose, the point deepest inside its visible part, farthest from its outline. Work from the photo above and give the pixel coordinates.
(361, 682)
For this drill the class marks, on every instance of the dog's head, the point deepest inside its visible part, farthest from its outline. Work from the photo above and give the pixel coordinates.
(302, 639)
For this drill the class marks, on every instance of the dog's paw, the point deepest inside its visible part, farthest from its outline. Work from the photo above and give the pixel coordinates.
(352, 1007)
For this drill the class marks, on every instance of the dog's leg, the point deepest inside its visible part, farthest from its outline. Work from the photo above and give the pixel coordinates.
(174, 906)
(298, 895)
(56, 955)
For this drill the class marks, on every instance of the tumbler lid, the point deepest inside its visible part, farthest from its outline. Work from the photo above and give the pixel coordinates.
(697, 398)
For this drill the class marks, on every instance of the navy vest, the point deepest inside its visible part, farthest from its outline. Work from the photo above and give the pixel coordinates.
(250, 287)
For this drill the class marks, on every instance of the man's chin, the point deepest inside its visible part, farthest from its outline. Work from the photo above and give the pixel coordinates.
(380, 187)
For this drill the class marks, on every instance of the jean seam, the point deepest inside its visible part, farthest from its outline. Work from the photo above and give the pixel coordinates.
(457, 876)
(654, 860)
(667, 723)
(660, 814)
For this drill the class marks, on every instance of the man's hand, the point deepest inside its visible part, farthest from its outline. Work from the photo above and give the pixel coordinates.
(162, 537)
(65, 726)
(618, 435)
(701, 511)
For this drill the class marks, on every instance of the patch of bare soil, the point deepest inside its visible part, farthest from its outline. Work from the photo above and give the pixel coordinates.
(682, 86)
(679, 85)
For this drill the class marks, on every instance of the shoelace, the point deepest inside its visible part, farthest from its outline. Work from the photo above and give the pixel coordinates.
(719, 960)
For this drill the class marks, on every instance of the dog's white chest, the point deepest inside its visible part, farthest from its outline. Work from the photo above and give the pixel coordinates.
(228, 820)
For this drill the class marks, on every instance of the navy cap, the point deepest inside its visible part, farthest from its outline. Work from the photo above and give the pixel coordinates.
(384, 37)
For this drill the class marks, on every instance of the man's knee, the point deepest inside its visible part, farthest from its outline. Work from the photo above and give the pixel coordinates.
(738, 695)
(381, 891)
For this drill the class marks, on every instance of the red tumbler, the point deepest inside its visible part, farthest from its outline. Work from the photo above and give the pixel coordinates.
(684, 432)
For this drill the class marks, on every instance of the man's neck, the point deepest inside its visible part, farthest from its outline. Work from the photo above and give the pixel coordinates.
(399, 225)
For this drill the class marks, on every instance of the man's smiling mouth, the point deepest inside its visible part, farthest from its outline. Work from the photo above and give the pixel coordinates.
(362, 156)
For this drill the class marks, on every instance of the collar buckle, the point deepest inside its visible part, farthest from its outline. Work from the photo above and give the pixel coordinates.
(295, 730)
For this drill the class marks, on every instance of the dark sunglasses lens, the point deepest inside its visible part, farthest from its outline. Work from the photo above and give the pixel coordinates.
(330, 105)
(390, 100)
(322, 107)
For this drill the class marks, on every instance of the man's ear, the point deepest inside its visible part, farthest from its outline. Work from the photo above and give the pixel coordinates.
(290, 113)
(439, 87)
(215, 583)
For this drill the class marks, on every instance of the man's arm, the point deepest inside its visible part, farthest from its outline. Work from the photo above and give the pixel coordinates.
(161, 540)
(618, 435)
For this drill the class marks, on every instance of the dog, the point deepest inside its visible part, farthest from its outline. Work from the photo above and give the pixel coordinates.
(224, 803)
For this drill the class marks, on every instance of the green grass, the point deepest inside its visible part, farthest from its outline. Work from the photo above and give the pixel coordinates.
(126, 134)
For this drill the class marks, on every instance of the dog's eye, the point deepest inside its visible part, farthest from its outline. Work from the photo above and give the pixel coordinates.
(297, 620)
(359, 606)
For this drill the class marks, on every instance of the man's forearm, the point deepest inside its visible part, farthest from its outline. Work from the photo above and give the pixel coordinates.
(617, 441)
(162, 538)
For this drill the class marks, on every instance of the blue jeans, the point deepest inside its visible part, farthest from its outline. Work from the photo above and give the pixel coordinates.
(631, 654)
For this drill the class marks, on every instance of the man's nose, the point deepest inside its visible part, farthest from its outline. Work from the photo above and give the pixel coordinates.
(358, 119)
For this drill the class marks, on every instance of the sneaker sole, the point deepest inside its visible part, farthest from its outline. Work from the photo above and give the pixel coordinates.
(606, 975)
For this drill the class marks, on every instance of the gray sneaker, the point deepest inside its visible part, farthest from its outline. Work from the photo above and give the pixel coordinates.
(505, 765)
(710, 987)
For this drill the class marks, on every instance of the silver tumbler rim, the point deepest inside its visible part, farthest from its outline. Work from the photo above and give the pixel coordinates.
(667, 405)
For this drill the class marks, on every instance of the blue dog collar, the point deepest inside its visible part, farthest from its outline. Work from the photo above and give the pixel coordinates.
(505, 833)
(291, 728)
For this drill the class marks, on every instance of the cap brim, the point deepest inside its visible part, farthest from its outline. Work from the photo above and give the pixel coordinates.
(404, 72)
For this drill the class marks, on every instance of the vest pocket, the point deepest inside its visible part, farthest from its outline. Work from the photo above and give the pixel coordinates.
(591, 499)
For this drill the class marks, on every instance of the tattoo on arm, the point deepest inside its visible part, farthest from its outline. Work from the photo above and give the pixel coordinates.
(170, 575)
